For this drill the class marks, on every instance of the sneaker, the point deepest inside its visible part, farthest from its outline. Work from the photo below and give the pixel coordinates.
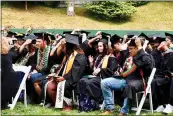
(48, 105)
(168, 109)
(159, 109)
(41, 104)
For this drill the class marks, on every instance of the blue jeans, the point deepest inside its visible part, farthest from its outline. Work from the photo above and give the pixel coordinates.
(35, 76)
(109, 84)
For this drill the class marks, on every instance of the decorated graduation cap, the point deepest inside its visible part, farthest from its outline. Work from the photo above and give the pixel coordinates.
(115, 39)
(156, 38)
(169, 36)
(20, 36)
(73, 39)
(11, 34)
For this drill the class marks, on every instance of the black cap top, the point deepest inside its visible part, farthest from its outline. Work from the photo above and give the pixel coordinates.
(169, 36)
(132, 42)
(132, 34)
(43, 36)
(144, 35)
(156, 38)
(31, 36)
(67, 32)
(73, 39)
(116, 39)
(10, 34)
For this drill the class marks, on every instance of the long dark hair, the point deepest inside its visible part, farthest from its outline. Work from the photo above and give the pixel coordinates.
(106, 49)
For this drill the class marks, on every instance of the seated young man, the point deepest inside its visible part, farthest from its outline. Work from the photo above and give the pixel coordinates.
(162, 83)
(131, 81)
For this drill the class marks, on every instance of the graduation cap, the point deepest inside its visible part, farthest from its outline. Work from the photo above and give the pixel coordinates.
(115, 39)
(156, 38)
(67, 32)
(43, 36)
(169, 36)
(132, 42)
(73, 39)
(52, 37)
(132, 34)
(10, 34)
(144, 36)
(20, 36)
(32, 37)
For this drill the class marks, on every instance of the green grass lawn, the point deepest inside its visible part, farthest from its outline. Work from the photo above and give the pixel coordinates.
(153, 16)
(38, 110)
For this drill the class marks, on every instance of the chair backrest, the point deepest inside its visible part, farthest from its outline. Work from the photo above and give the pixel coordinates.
(24, 69)
(151, 76)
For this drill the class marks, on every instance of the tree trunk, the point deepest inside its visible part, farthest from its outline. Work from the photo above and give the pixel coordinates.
(70, 8)
(26, 5)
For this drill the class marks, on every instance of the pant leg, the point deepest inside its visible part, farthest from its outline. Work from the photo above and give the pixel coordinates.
(34, 76)
(109, 84)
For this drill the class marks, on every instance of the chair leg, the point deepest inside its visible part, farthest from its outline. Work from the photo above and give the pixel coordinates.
(151, 101)
(137, 104)
(113, 97)
(25, 96)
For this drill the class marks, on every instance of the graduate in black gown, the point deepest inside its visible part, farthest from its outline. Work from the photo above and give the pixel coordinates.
(71, 69)
(161, 84)
(9, 78)
(155, 41)
(90, 94)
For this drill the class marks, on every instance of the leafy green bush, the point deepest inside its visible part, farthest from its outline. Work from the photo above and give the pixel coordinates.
(137, 3)
(111, 10)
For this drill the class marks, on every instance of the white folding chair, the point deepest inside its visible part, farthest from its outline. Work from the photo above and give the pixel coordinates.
(26, 70)
(148, 91)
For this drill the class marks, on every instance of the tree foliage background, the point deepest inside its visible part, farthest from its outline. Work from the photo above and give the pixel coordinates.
(113, 10)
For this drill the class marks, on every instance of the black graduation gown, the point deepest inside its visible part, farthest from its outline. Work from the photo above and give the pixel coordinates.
(134, 81)
(15, 55)
(160, 83)
(91, 86)
(87, 50)
(75, 74)
(158, 59)
(9, 79)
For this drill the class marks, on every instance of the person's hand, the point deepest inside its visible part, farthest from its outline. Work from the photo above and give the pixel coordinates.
(138, 43)
(125, 38)
(62, 41)
(28, 41)
(98, 33)
(98, 37)
(96, 71)
(59, 79)
(90, 58)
